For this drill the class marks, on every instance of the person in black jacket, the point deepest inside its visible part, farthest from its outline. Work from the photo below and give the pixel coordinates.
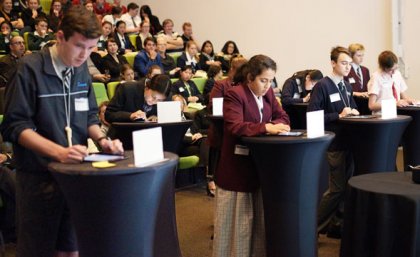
(112, 62)
(146, 14)
(50, 113)
(29, 14)
(41, 36)
(123, 41)
(186, 87)
(137, 100)
(297, 88)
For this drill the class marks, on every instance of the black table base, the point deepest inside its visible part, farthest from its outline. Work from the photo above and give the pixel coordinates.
(382, 216)
(129, 214)
(411, 137)
(289, 176)
(374, 142)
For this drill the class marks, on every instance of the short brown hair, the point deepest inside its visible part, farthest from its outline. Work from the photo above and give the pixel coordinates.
(387, 60)
(186, 24)
(353, 48)
(78, 19)
(336, 51)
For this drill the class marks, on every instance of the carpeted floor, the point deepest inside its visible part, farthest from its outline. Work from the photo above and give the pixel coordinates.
(194, 210)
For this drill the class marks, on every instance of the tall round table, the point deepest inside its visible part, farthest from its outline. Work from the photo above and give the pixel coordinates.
(374, 141)
(172, 133)
(124, 210)
(411, 137)
(382, 216)
(289, 169)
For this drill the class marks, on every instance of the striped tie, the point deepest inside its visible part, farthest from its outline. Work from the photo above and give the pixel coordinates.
(67, 77)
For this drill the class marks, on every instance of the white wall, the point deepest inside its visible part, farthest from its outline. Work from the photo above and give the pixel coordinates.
(411, 45)
(298, 34)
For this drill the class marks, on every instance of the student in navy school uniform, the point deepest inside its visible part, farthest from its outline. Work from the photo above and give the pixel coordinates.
(123, 42)
(186, 87)
(297, 88)
(333, 95)
(359, 75)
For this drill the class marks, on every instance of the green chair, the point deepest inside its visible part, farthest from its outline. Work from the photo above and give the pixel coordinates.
(100, 92)
(188, 162)
(200, 83)
(25, 39)
(132, 38)
(46, 4)
(173, 80)
(1, 118)
(175, 55)
(111, 87)
(130, 58)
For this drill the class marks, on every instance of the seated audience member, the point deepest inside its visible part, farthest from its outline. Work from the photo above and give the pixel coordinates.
(40, 37)
(5, 36)
(143, 34)
(101, 8)
(173, 39)
(359, 75)
(236, 177)
(187, 34)
(106, 34)
(146, 15)
(132, 18)
(117, 3)
(207, 56)
(137, 100)
(11, 16)
(56, 14)
(94, 63)
(214, 73)
(8, 63)
(29, 15)
(127, 73)
(147, 57)
(168, 63)
(101, 114)
(123, 42)
(387, 83)
(113, 17)
(297, 88)
(228, 50)
(88, 5)
(334, 95)
(112, 62)
(186, 87)
(189, 57)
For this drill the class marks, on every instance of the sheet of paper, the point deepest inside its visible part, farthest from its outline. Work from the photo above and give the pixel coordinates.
(100, 157)
(315, 124)
(147, 146)
(218, 106)
(389, 108)
(169, 111)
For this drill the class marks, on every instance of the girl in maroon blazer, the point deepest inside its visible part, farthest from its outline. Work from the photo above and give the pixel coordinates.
(249, 109)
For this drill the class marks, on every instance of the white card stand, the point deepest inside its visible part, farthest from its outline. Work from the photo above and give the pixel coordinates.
(315, 124)
(389, 109)
(218, 106)
(147, 146)
(169, 111)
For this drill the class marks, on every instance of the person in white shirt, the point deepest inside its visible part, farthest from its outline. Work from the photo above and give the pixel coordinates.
(132, 18)
(387, 83)
(173, 39)
(114, 17)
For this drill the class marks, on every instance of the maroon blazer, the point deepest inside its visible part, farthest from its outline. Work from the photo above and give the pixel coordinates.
(242, 118)
(214, 137)
(357, 87)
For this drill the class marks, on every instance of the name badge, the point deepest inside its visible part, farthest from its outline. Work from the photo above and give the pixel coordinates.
(352, 81)
(181, 89)
(81, 104)
(335, 98)
(241, 150)
(296, 96)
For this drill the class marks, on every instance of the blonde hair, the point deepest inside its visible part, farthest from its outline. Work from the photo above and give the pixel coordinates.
(353, 48)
